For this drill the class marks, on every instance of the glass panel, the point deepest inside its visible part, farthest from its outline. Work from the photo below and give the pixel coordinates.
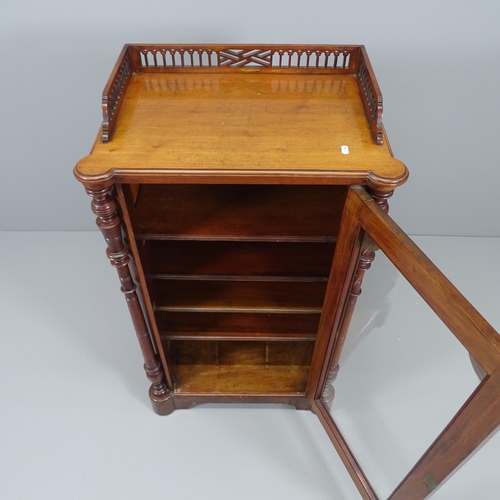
(403, 375)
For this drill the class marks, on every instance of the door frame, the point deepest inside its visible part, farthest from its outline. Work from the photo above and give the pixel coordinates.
(480, 414)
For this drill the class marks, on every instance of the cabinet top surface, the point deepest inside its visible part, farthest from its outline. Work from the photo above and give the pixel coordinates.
(243, 124)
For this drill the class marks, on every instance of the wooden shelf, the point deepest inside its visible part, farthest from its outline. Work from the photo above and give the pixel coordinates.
(237, 277)
(234, 379)
(232, 296)
(237, 325)
(238, 335)
(230, 367)
(239, 212)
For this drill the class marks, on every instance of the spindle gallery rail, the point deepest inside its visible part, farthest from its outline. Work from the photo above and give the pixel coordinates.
(300, 59)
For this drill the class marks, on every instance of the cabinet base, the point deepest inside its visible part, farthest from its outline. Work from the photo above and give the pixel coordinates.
(165, 405)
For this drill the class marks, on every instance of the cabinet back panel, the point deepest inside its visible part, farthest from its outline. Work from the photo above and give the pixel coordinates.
(216, 295)
(239, 258)
(239, 211)
(236, 323)
(226, 352)
(240, 367)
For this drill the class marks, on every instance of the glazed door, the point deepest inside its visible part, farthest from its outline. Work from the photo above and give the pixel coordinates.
(410, 385)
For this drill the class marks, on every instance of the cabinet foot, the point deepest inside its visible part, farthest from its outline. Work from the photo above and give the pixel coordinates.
(162, 404)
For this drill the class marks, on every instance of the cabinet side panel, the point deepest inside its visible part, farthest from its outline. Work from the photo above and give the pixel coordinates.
(125, 195)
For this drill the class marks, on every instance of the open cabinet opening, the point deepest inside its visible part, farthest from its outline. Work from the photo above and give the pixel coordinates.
(236, 276)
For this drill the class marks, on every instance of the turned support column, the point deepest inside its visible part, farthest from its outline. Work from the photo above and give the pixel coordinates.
(329, 391)
(364, 263)
(105, 208)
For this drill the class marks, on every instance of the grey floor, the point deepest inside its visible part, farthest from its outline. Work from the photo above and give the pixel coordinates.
(75, 420)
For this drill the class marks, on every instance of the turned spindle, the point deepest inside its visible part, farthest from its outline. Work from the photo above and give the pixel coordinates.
(109, 222)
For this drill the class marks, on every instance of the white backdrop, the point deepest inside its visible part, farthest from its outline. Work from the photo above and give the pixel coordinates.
(437, 64)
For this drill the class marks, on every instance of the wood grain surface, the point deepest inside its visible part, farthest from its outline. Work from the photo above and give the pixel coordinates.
(242, 123)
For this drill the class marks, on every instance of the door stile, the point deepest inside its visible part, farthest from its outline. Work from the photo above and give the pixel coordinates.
(339, 281)
(346, 455)
(343, 277)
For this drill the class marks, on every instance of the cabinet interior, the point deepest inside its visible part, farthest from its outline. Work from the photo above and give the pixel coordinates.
(236, 275)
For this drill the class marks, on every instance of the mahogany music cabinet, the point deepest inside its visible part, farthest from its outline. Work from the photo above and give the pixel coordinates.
(236, 188)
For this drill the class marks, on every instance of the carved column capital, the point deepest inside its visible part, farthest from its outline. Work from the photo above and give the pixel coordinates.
(381, 198)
